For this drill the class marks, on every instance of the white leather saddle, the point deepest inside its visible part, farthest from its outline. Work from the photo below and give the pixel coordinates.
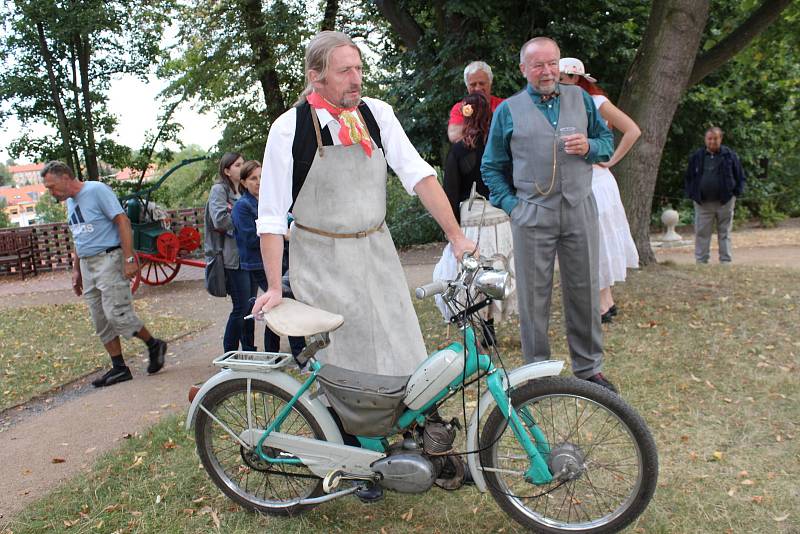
(292, 318)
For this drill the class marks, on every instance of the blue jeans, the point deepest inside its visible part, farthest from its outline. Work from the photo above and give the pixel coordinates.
(271, 339)
(237, 283)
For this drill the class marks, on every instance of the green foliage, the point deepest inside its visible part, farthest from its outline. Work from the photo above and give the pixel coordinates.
(754, 99)
(425, 81)
(408, 220)
(115, 37)
(5, 176)
(244, 60)
(185, 187)
(215, 62)
(49, 210)
(188, 186)
(5, 221)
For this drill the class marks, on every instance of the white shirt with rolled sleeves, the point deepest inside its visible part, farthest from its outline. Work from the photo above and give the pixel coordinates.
(275, 192)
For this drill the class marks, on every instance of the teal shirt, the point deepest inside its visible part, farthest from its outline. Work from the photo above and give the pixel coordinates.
(497, 160)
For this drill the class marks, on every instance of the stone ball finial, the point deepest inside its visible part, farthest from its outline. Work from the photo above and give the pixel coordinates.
(670, 219)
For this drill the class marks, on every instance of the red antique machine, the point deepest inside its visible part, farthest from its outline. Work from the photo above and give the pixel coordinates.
(160, 252)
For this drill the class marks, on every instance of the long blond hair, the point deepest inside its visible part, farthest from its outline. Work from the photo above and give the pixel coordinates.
(318, 56)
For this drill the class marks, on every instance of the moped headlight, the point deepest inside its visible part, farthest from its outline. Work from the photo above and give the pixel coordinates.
(493, 284)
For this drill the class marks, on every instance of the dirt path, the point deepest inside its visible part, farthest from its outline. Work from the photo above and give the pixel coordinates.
(80, 423)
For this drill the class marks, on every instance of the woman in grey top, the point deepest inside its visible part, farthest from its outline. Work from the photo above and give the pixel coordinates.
(219, 237)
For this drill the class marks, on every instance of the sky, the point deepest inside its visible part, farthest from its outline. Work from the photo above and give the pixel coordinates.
(136, 106)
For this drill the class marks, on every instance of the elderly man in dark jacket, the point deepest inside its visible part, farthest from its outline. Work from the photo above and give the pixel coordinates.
(713, 180)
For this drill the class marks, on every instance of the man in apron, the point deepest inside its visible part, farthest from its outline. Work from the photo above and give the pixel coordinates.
(325, 161)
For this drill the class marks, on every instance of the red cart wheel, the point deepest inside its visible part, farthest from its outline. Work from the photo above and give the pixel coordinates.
(136, 280)
(157, 273)
(189, 238)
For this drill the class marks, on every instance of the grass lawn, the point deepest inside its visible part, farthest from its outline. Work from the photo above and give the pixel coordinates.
(710, 356)
(44, 347)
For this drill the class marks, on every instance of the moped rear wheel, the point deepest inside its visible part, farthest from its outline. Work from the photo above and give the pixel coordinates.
(602, 456)
(237, 470)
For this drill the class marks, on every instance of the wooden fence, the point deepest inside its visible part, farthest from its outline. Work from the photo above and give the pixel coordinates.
(53, 242)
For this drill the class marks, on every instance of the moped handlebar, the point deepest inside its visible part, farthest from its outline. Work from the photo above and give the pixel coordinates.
(428, 290)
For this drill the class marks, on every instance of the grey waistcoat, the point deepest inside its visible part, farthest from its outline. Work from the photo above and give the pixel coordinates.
(532, 150)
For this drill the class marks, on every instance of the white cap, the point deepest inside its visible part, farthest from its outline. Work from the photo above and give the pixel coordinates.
(571, 65)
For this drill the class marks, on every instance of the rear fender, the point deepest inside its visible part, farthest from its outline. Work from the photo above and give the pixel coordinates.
(278, 379)
(516, 377)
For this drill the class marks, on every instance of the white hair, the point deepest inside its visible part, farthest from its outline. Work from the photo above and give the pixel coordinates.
(536, 40)
(476, 66)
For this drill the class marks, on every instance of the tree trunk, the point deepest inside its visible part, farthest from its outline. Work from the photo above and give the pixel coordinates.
(401, 21)
(76, 103)
(329, 18)
(90, 152)
(55, 94)
(264, 57)
(653, 87)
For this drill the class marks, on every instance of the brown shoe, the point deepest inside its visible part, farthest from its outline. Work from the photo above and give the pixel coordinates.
(600, 380)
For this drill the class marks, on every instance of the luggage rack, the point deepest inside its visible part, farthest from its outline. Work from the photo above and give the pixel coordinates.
(253, 361)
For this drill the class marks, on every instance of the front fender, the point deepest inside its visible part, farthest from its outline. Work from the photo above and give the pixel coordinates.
(516, 377)
(278, 379)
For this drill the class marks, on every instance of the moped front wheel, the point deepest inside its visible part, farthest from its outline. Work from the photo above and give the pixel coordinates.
(599, 450)
(239, 471)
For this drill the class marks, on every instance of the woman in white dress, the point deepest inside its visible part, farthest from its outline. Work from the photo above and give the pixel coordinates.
(617, 250)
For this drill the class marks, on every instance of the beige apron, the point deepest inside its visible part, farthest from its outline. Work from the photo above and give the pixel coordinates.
(358, 277)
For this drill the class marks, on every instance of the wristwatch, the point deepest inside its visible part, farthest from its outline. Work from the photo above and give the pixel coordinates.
(131, 259)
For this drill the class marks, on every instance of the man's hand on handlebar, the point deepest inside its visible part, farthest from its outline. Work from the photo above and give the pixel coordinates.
(267, 300)
(461, 245)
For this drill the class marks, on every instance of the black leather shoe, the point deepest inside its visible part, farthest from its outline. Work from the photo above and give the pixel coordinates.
(157, 356)
(600, 380)
(613, 310)
(606, 318)
(114, 376)
(371, 494)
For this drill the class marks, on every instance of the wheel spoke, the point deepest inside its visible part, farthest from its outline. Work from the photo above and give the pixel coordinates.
(592, 447)
(239, 471)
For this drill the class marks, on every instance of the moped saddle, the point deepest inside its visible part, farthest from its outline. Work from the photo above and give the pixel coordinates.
(292, 318)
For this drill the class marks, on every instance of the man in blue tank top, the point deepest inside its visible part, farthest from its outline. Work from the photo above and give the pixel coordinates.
(103, 262)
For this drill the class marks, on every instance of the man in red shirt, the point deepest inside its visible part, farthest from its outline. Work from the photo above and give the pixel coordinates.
(478, 79)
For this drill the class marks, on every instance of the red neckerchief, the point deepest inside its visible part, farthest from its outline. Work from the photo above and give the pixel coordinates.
(352, 130)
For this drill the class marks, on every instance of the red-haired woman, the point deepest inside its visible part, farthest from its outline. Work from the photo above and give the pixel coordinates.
(617, 251)
(462, 171)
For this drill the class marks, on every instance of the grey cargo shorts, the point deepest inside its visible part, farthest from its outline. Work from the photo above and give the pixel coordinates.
(108, 295)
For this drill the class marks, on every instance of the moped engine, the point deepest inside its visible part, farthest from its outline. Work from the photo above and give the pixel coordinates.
(438, 437)
(437, 440)
(405, 472)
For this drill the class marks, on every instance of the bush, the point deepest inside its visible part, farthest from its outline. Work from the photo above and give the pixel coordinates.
(408, 220)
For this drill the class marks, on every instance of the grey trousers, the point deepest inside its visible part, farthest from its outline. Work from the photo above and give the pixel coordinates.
(705, 215)
(571, 232)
